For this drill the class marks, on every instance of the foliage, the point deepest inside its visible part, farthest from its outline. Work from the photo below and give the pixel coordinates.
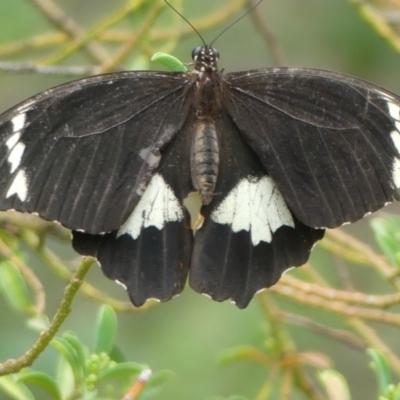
(303, 303)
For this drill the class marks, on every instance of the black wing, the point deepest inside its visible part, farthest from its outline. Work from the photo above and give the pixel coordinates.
(150, 253)
(83, 153)
(330, 142)
(249, 237)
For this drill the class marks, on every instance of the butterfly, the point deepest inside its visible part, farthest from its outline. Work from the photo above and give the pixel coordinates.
(277, 155)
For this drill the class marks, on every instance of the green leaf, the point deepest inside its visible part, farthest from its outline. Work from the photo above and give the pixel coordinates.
(106, 330)
(16, 390)
(169, 62)
(39, 323)
(41, 380)
(382, 369)
(117, 355)
(335, 385)
(14, 287)
(65, 378)
(73, 340)
(121, 371)
(70, 355)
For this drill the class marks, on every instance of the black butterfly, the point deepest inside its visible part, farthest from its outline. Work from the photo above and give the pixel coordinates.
(277, 155)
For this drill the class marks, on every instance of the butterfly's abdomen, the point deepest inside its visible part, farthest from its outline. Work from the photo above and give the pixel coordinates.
(204, 158)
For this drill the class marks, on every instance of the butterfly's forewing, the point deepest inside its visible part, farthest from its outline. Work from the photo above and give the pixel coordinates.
(249, 237)
(330, 142)
(83, 153)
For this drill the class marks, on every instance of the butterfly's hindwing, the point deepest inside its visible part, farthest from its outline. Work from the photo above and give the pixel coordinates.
(330, 142)
(83, 153)
(249, 236)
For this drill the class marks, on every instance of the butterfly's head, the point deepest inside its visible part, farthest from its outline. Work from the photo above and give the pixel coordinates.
(205, 58)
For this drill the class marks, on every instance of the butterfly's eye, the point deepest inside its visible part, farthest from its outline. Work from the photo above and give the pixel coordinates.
(195, 53)
(216, 53)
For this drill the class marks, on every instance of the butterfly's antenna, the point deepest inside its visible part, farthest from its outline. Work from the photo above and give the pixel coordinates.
(186, 20)
(236, 21)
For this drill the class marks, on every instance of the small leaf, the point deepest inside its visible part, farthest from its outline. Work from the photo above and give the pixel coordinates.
(117, 355)
(335, 385)
(382, 369)
(41, 380)
(65, 378)
(14, 287)
(73, 340)
(106, 330)
(16, 390)
(169, 62)
(121, 371)
(39, 323)
(70, 355)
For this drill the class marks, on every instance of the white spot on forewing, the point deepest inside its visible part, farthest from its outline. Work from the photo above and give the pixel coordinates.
(254, 206)
(18, 122)
(157, 206)
(19, 186)
(15, 156)
(394, 110)
(13, 140)
(395, 135)
(17, 150)
(396, 172)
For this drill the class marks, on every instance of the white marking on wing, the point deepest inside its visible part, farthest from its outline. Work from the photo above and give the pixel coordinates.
(395, 135)
(19, 186)
(18, 122)
(254, 206)
(15, 156)
(396, 172)
(157, 207)
(394, 110)
(13, 140)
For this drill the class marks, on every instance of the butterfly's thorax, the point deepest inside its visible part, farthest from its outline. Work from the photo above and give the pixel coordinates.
(204, 160)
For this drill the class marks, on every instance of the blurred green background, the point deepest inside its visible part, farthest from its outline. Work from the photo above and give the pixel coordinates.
(187, 334)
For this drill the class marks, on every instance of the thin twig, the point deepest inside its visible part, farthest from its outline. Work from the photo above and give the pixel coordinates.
(268, 35)
(54, 263)
(12, 366)
(347, 338)
(370, 14)
(374, 341)
(121, 54)
(23, 67)
(94, 33)
(336, 307)
(65, 23)
(329, 293)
